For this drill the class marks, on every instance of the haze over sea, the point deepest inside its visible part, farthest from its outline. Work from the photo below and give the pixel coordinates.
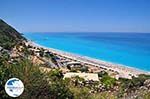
(131, 49)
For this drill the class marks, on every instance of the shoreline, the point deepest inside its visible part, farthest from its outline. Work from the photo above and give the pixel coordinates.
(123, 70)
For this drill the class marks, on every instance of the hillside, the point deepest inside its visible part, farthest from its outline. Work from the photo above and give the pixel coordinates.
(8, 35)
(43, 73)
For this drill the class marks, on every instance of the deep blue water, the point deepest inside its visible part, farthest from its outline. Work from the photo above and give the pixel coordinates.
(131, 49)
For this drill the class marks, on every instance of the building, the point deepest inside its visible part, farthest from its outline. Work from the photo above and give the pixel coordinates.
(86, 76)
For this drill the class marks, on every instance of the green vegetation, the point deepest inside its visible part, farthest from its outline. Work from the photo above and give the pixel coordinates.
(84, 69)
(37, 84)
(8, 36)
(81, 93)
(51, 85)
(78, 69)
(4, 76)
(146, 95)
(55, 75)
(102, 73)
(104, 95)
(134, 82)
(108, 81)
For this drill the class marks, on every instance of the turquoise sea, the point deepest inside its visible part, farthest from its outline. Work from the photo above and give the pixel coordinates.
(131, 49)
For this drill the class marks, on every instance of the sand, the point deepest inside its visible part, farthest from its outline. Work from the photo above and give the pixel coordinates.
(124, 71)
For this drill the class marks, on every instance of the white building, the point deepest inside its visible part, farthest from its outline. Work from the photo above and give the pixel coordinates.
(86, 76)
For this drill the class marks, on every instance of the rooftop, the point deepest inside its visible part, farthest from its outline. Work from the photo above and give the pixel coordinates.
(86, 76)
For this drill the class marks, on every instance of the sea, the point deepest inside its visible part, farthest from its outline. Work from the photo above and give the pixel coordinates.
(130, 49)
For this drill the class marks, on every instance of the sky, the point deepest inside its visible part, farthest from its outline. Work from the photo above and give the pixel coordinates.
(77, 15)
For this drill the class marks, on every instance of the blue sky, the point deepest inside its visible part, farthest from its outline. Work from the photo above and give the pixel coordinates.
(77, 15)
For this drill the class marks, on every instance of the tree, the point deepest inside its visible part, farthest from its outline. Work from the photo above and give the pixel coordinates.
(102, 73)
(68, 67)
(84, 69)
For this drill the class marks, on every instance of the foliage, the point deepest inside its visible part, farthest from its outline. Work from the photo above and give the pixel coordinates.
(102, 73)
(4, 76)
(108, 81)
(135, 82)
(37, 85)
(103, 95)
(80, 93)
(144, 77)
(51, 85)
(55, 75)
(68, 67)
(73, 70)
(8, 36)
(84, 69)
(146, 95)
(59, 90)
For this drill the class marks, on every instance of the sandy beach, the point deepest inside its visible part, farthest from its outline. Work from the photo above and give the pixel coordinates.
(122, 70)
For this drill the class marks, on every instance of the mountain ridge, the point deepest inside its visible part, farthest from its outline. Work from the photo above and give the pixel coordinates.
(9, 36)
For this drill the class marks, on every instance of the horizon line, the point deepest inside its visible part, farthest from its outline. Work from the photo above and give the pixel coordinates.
(78, 32)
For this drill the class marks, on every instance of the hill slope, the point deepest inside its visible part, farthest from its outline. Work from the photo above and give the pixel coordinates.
(8, 35)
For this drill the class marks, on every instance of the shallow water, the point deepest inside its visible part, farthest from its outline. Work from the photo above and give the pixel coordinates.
(131, 49)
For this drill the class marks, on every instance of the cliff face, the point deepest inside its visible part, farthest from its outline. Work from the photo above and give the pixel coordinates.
(8, 36)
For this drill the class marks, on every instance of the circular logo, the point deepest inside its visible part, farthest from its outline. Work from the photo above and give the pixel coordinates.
(14, 87)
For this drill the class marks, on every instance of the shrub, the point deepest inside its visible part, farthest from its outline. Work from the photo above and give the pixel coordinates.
(102, 73)
(108, 81)
(37, 85)
(84, 69)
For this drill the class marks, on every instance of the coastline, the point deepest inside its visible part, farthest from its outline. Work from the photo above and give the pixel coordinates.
(123, 70)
